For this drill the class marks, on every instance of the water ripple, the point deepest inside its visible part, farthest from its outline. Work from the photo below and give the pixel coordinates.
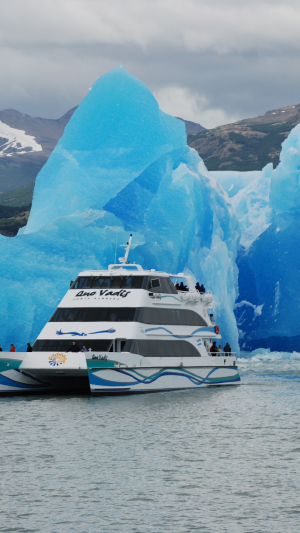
(212, 460)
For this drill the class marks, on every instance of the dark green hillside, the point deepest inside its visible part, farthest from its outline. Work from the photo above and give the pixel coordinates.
(248, 144)
(12, 219)
(19, 197)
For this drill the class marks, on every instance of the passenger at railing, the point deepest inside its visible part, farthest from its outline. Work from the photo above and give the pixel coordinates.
(1, 348)
(182, 287)
(12, 348)
(227, 349)
(211, 316)
(202, 288)
(214, 349)
(74, 347)
(197, 286)
(220, 351)
(84, 349)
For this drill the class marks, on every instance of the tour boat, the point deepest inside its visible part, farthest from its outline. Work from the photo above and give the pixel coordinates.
(144, 331)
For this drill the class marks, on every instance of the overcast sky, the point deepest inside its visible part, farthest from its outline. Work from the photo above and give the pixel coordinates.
(211, 62)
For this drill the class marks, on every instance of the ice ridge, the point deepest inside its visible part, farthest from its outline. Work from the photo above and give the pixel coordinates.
(121, 166)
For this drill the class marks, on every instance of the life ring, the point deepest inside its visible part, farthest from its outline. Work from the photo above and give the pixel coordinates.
(217, 330)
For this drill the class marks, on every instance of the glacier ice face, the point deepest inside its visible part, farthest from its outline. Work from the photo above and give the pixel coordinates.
(267, 205)
(106, 145)
(249, 194)
(285, 186)
(121, 166)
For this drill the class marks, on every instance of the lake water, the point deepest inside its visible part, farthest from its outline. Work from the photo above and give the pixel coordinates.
(213, 460)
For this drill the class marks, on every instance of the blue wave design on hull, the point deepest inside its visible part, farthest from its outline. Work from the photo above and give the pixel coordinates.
(211, 329)
(96, 380)
(76, 334)
(16, 384)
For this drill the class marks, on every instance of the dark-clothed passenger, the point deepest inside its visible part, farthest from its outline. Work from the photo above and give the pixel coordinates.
(214, 348)
(74, 347)
(227, 349)
(182, 287)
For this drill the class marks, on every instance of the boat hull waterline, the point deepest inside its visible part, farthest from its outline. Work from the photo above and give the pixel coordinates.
(130, 381)
(36, 373)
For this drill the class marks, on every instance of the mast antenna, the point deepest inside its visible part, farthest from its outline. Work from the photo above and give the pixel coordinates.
(127, 248)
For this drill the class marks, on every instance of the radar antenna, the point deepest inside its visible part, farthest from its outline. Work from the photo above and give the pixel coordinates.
(127, 248)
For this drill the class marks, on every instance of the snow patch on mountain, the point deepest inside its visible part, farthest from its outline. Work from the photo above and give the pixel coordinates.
(14, 141)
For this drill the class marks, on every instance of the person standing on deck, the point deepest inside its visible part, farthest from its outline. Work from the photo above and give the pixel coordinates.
(227, 349)
(74, 347)
(214, 348)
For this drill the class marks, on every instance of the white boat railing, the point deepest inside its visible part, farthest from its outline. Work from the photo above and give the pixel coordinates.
(221, 354)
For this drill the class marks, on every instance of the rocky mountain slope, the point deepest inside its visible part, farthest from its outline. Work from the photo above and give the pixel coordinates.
(25, 145)
(249, 144)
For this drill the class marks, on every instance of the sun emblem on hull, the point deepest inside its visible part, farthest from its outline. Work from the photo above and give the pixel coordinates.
(57, 359)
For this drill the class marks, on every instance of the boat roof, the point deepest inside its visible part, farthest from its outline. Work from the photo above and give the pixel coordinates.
(133, 269)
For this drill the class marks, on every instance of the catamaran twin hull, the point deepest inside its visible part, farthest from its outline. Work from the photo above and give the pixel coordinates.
(41, 372)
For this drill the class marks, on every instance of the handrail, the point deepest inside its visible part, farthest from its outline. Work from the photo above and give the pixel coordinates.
(219, 354)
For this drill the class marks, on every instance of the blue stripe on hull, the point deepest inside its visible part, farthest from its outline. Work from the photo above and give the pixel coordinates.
(15, 385)
(137, 379)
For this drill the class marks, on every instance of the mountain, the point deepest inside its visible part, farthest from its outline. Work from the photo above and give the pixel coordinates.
(192, 128)
(249, 144)
(25, 145)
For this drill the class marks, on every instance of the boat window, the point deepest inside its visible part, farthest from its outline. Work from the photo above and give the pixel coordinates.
(171, 285)
(108, 282)
(165, 285)
(146, 315)
(94, 314)
(146, 348)
(81, 283)
(171, 317)
(155, 283)
(97, 345)
(156, 348)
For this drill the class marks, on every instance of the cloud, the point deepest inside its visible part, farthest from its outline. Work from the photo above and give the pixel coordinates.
(193, 25)
(210, 62)
(185, 103)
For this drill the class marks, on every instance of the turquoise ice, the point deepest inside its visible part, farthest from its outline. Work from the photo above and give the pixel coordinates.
(267, 205)
(122, 166)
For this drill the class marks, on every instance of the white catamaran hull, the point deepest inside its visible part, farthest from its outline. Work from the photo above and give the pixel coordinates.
(35, 373)
(38, 372)
(125, 380)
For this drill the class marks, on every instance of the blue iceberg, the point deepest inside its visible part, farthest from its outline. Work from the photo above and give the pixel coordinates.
(122, 166)
(267, 205)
